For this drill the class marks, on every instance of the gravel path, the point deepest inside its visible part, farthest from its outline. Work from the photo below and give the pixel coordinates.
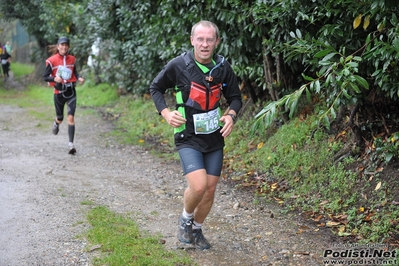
(42, 189)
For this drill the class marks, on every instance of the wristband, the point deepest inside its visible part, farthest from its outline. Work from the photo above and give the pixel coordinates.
(232, 116)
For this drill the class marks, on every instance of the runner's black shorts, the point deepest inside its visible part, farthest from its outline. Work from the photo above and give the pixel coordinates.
(59, 102)
(192, 160)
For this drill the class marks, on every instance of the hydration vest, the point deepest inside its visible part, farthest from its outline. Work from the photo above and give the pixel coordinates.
(202, 96)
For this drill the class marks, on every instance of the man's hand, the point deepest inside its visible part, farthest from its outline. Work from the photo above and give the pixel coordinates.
(228, 122)
(174, 118)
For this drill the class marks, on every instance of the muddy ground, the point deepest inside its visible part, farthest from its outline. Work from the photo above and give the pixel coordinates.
(42, 187)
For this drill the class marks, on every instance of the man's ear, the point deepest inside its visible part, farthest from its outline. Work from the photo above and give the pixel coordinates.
(217, 42)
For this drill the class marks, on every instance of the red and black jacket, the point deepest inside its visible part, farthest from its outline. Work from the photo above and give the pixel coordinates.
(52, 65)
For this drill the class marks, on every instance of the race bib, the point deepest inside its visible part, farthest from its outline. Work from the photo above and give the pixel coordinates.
(64, 72)
(206, 123)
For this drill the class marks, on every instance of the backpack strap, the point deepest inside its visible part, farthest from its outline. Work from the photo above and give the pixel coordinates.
(190, 63)
(179, 95)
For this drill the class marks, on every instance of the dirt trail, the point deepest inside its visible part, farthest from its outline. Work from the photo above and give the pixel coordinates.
(42, 188)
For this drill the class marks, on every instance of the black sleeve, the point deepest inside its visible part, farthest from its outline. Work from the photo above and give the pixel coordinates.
(165, 79)
(47, 73)
(75, 72)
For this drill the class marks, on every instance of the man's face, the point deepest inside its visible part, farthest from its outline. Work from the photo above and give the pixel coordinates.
(204, 42)
(63, 48)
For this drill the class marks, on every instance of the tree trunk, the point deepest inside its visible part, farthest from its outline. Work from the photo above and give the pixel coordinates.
(269, 69)
(251, 90)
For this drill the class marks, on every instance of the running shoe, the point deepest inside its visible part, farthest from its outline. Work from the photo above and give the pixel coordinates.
(56, 128)
(72, 149)
(200, 241)
(185, 230)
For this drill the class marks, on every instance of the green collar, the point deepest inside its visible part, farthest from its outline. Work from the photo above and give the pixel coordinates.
(202, 67)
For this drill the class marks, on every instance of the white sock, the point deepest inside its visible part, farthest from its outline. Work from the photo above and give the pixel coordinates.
(187, 215)
(197, 225)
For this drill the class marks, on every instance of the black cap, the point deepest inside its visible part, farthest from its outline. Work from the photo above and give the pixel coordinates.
(63, 39)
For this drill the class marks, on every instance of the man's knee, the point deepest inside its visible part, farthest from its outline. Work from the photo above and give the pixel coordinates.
(71, 119)
(212, 183)
(197, 189)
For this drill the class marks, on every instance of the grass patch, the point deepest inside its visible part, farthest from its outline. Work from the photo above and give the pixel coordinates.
(20, 69)
(33, 96)
(140, 124)
(122, 243)
(87, 202)
(91, 95)
(293, 166)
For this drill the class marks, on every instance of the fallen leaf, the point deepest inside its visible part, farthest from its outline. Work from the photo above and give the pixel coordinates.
(301, 252)
(332, 224)
(318, 218)
(378, 186)
(95, 247)
(368, 217)
(344, 234)
(304, 227)
(342, 133)
(260, 145)
(384, 202)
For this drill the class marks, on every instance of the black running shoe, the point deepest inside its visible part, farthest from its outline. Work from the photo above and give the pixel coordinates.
(185, 230)
(200, 241)
(72, 149)
(56, 128)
